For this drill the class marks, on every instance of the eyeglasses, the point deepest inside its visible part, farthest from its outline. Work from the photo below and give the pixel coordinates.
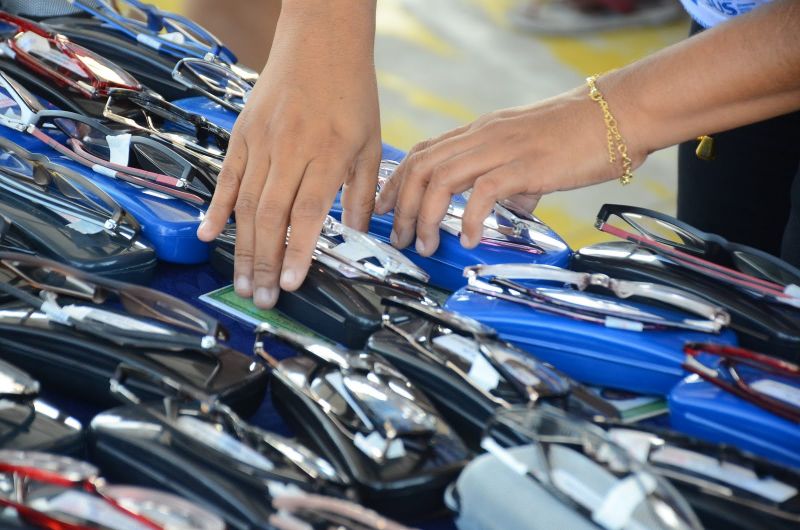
(759, 379)
(505, 227)
(153, 319)
(355, 254)
(708, 254)
(501, 373)
(577, 463)
(61, 190)
(59, 492)
(380, 411)
(218, 82)
(54, 57)
(161, 30)
(202, 421)
(721, 472)
(576, 304)
(190, 133)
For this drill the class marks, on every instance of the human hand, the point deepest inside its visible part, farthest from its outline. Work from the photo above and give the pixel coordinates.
(310, 125)
(516, 155)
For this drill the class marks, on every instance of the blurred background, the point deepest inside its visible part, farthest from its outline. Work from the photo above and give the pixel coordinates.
(443, 63)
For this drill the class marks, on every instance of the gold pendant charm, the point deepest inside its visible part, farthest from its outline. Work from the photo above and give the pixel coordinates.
(705, 149)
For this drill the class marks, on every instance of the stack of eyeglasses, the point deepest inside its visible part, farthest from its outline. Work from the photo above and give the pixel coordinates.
(632, 340)
(351, 273)
(509, 235)
(756, 289)
(50, 491)
(562, 473)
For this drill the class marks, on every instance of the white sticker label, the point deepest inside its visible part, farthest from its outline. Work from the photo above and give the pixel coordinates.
(777, 390)
(117, 320)
(375, 446)
(173, 36)
(119, 146)
(622, 500)
(481, 370)
(37, 45)
(89, 508)
(732, 474)
(353, 251)
(223, 442)
(147, 40)
(103, 170)
(621, 323)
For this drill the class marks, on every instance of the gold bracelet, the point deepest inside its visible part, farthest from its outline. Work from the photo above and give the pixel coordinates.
(615, 142)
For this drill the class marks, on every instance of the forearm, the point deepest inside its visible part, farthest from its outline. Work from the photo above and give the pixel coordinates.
(741, 72)
(344, 29)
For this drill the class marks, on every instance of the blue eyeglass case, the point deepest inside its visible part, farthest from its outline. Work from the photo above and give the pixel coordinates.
(703, 410)
(646, 362)
(170, 224)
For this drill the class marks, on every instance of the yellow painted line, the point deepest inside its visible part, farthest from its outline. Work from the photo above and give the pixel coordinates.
(394, 20)
(613, 49)
(399, 131)
(424, 99)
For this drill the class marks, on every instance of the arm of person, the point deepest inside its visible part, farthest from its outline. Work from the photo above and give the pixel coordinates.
(740, 72)
(310, 126)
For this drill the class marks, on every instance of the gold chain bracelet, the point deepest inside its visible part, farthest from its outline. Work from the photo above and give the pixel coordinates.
(615, 142)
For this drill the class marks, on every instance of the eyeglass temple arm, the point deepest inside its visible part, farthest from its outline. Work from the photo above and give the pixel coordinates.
(529, 271)
(311, 346)
(694, 349)
(671, 296)
(462, 325)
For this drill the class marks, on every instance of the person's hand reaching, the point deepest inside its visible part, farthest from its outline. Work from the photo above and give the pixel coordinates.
(516, 155)
(310, 126)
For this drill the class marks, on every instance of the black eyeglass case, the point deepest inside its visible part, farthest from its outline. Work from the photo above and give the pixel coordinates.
(760, 325)
(738, 503)
(46, 234)
(68, 361)
(344, 311)
(396, 489)
(129, 446)
(466, 408)
(148, 66)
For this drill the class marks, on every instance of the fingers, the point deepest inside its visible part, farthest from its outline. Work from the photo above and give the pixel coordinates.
(358, 193)
(452, 176)
(270, 223)
(388, 196)
(313, 201)
(245, 207)
(227, 190)
(488, 189)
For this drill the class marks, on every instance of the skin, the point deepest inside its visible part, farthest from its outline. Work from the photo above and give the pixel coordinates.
(312, 125)
(677, 94)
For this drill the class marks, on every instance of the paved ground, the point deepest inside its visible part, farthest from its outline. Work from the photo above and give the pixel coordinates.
(442, 63)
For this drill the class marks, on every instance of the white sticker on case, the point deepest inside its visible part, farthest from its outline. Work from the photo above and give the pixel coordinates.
(732, 474)
(147, 40)
(622, 323)
(103, 170)
(481, 370)
(119, 146)
(778, 390)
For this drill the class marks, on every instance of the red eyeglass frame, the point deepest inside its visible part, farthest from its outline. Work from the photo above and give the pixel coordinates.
(49, 477)
(93, 88)
(730, 355)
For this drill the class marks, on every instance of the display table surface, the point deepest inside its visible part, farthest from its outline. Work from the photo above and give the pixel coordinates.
(189, 283)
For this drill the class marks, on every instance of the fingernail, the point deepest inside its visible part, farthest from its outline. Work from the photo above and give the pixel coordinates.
(265, 297)
(466, 241)
(242, 285)
(420, 245)
(393, 238)
(201, 228)
(288, 278)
